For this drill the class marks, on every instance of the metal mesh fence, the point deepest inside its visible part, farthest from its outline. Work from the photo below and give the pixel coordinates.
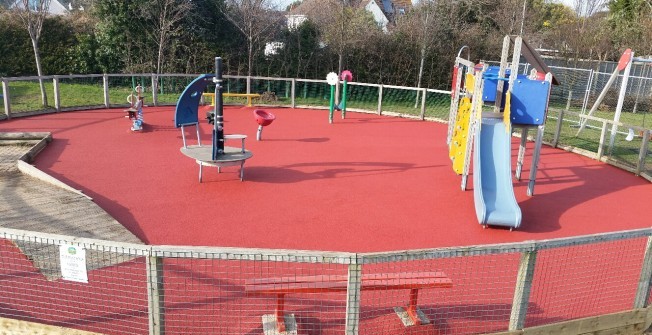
(190, 290)
(121, 87)
(312, 93)
(171, 87)
(609, 273)
(588, 139)
(229, 295)
(78, 92)
(572, 89)
(478, 299)
(397, 100)
(25, 95)
(273, 91)
(438, 105)
(235, 85)
(362, 97)
(113, 302)
(647, 161)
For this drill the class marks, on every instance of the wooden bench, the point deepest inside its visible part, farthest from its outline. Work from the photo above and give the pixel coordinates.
(411, 315)
(249, 96)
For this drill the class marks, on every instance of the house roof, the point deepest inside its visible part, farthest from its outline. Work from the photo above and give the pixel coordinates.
(55, 8)
(405, 4)
(306, 7)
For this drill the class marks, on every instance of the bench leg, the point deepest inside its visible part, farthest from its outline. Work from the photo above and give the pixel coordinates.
(280, 313)
(412, 306)
(279, 323)
(412, 315)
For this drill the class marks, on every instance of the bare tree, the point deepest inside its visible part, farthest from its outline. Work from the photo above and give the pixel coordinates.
(164, 16)
(253, 18)
(420, 25)
(32, 13)
(345, 25)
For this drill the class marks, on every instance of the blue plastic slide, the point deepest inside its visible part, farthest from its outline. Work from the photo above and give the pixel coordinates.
(495, 203)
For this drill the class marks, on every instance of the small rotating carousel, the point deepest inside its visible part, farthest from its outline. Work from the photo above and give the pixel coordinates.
(187, 114)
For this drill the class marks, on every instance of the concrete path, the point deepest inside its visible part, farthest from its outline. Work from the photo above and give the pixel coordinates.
(28, 203)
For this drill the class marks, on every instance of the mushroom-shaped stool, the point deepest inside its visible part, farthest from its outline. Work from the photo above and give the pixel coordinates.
(263, 118)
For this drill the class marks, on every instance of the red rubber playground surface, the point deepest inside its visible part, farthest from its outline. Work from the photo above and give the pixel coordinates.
(366, 183)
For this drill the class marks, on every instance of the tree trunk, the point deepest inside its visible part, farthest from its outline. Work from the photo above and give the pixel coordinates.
(423, 56)
(159, 61)
(39, 71)
(251, 54)
(340, 64)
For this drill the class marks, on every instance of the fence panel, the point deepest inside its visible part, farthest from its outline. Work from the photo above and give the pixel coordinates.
(438, 104)
(25, 95)
(625, 150)
(114, 301)
(226, 295)
(587, 280)
(588, 139)
(313, 93)
(479, 300)
(78, 91)
(122, 86)
(401, 100)
(573, 86)
(171, 87)
(647, 162)
(362, 97)
(273, 91)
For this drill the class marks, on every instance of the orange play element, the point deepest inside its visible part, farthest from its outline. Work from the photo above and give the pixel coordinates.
(625, 59)
(453, 90)
(263, 117)
(326, 283)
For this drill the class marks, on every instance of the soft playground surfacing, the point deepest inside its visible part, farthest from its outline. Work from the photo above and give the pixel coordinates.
(366, 183)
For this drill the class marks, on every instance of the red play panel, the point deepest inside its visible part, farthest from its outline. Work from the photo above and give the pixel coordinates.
(367, 183)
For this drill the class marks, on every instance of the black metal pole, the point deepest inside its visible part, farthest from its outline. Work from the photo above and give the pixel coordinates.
(218, 126)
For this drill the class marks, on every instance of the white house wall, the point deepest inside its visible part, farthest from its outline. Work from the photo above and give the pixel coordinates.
(378, 14)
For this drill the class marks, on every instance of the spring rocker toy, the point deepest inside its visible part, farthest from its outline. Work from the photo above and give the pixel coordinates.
(136, 109)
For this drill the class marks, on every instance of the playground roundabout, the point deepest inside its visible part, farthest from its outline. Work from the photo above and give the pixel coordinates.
(364, 183)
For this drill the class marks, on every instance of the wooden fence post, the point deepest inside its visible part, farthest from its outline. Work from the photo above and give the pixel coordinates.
(105, 84)
(423, 103)
(154, 89)
(522, 291)
(642, 154)
(57, 93)
(560, 121)
(7, 100)
(353, 288)
(155, 295)
(294, 93)
(380, 100)
(643, 290)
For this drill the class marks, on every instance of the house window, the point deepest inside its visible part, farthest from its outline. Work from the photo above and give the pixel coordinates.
(401, 10)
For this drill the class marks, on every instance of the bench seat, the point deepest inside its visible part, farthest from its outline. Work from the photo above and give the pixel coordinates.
(281, 286)
(248, 96)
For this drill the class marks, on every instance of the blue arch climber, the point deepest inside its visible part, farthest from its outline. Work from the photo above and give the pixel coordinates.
(187, 110)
